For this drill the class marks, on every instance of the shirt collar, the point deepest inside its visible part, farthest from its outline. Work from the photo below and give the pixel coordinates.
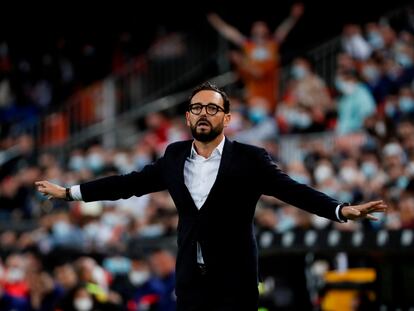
(218, 150)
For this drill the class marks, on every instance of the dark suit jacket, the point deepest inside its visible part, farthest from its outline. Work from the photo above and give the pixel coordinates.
(224, 224)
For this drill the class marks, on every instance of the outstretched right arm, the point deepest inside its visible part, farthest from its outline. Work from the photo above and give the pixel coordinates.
(150, 179)
(229, 32)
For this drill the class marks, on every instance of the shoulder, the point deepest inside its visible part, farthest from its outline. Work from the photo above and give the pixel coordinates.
(256, 156)
(178, 146)
(248, 149)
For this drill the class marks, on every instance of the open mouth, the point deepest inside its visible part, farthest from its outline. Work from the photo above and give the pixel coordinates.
(203, 123)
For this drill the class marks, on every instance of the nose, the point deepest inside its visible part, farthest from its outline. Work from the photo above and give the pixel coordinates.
(204, 111)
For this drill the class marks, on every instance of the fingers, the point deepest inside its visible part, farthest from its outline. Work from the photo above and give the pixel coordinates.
(48, 196)
(365, 210)
(373, 203)
(41, 183)
(375, 206)
(50, 190)
(371, 217)
(378, 209)
(42, 187)
(351, 212)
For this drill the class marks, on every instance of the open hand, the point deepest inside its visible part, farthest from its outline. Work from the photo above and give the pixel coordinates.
(363, 211)
(50, 190)
(297, 10)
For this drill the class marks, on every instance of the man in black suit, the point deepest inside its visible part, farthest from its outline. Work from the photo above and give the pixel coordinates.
(215, 185)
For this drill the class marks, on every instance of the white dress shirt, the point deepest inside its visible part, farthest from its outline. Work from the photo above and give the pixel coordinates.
(200, 173)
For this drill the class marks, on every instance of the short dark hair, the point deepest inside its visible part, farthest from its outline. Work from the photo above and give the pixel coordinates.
(208, 86)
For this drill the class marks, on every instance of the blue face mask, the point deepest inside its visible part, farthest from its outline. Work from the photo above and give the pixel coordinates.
(390, 110)
(406, 104)
(303, 121)
(371, 73)
(286, 223)
(95, 162)
(257, 114)
(402, 182)
(61, 229)
(345, 196)
(345, 87)
(404, 60)
(369, 169)
(375, 40)
(76, 163)
(298, 72)
(117, 265)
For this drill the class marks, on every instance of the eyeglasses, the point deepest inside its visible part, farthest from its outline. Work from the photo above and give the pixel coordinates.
(211, 109)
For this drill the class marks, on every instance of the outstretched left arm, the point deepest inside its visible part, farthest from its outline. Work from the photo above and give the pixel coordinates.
(286, 26)
(275, 182)
(362, 211)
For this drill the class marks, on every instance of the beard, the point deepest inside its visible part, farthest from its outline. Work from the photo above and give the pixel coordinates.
(206, 135)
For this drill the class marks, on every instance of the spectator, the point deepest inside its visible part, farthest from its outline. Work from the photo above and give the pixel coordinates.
(306, 102)
(81, 299)
(65, 276)
(259, 63)
(374, 77)
(354, 43)
(355, 104)
(139, 289)
(162, 262)
(44, 294)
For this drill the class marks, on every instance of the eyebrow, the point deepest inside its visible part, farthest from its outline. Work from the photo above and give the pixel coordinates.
(207, 104)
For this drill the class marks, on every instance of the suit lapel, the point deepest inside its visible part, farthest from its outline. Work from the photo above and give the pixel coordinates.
(179, 171)
(224, 164)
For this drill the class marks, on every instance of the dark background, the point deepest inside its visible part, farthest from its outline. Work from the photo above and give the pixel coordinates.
(321, 21)
(33, 29)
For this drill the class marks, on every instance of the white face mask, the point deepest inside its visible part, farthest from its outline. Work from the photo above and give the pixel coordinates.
(348, 174)
(319, 222)
(322, 173)
(346, 87)
(138, 278)
(83, 304)
(15, 275)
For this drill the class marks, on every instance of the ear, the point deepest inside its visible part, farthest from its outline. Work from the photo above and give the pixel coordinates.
(187, 118)
(227, 119)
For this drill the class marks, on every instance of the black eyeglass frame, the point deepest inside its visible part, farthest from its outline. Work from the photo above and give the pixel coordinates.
(201, 106)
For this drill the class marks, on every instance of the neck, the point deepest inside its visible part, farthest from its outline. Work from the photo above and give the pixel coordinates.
(206, 148)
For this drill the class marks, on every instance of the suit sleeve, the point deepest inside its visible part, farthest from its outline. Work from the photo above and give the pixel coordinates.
(276, 183)
(149, 179)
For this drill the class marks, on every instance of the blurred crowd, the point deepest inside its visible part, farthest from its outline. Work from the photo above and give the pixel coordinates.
(368, 110)
(117, 283)
(39, 74)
